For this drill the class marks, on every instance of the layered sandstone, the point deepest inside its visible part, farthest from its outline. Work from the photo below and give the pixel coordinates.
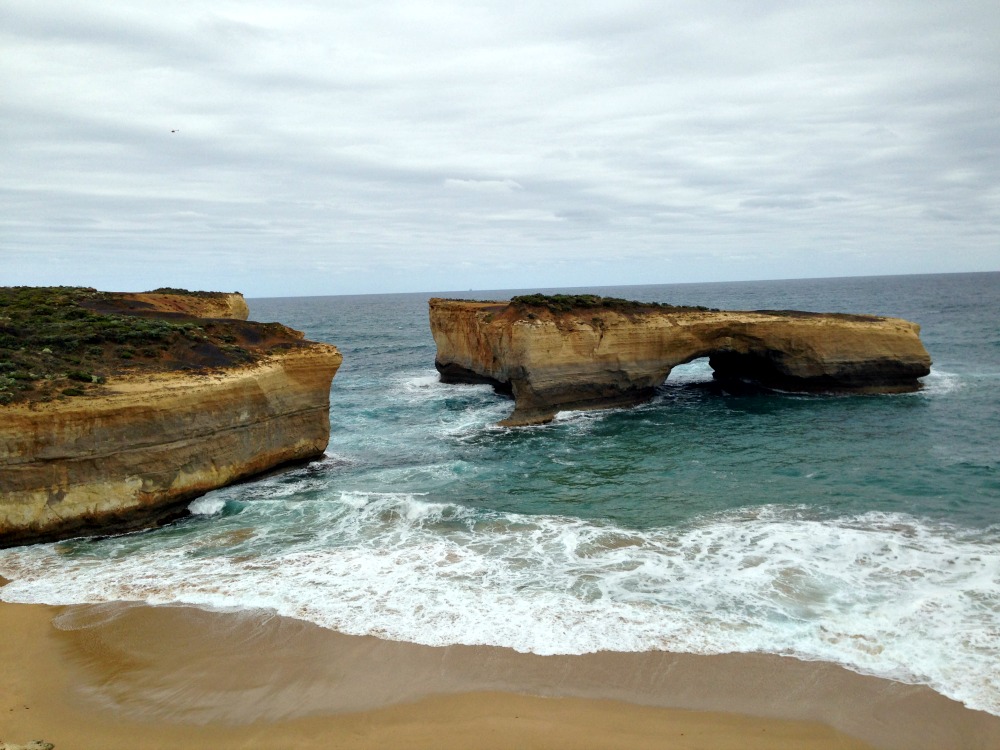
(134, 450)
(231, 305)
(597, 357)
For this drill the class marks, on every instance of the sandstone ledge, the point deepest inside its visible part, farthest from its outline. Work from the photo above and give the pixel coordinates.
(137, 454)
(117, 409)
(597, 357)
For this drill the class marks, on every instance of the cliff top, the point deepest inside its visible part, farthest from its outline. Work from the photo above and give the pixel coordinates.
(61, 342)
(187, 292)
(562, 305)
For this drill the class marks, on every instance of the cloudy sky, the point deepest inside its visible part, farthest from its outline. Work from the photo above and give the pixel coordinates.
(343, 146)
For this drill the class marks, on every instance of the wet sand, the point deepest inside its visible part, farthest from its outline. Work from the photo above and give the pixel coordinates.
(123, 676)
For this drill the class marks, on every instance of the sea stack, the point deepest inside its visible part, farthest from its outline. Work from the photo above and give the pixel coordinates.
(116, 410)
(562, 352)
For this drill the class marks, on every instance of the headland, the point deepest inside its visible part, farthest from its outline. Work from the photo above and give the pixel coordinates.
(119, 409)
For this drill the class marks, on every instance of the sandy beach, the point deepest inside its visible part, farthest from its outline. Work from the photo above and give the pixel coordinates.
(122, 676)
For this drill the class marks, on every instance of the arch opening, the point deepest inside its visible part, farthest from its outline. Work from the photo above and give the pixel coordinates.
(761, 367)
(694, 371)
(753, 369)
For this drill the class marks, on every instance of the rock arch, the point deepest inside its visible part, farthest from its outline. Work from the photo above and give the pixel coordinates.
(555, 360)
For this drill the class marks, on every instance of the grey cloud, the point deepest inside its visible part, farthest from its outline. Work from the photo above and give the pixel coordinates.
(378, 137)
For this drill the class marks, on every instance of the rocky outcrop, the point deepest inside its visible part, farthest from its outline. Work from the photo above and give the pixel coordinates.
(601, 356)
(133, 451)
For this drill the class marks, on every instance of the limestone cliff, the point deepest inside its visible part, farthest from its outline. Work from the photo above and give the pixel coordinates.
(141, 451)
(194, 304)
(134, 449)
(599, 356)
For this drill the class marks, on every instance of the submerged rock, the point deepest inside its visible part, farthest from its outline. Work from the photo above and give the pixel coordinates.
(561, 353)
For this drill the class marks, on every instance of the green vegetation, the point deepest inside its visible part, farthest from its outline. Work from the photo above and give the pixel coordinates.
(54, 342)
(563, 303)
(187, 292)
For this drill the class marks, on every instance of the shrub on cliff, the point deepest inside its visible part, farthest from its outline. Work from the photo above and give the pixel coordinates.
(186, 292)
(58, 340)
(564, 303)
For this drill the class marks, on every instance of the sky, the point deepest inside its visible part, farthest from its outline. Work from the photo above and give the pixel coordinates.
(342, 147)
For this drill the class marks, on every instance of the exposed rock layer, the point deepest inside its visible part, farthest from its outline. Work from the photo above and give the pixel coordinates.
(197, 304)
(137, 453)
(596, 358)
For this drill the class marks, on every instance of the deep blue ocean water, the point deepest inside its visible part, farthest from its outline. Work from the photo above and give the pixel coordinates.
(862, 530)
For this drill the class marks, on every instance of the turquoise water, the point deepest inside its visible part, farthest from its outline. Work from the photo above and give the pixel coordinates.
(863, 530)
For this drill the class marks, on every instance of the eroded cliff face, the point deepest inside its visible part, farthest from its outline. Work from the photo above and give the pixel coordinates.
(597, 358)
(140, 452)
(197, 404)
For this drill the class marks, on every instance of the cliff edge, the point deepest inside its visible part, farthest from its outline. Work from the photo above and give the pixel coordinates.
(117, 410)
(585, 352)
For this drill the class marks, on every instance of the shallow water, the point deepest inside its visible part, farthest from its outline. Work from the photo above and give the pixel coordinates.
(859, 530)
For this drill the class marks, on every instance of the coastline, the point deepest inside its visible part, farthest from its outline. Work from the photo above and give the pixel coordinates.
(105, 674)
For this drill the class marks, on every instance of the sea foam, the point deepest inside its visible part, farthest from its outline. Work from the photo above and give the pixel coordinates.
(879, 592)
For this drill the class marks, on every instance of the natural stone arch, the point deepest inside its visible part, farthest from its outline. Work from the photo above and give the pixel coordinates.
(554, 360)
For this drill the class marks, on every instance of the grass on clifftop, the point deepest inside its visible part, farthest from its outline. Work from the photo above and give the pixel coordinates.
(186, 292)
(563, 303)
(54, 344)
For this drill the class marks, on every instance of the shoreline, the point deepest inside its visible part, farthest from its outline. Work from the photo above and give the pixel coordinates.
(109, 673)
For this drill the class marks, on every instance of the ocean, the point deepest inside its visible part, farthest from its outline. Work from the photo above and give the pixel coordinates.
(858, 530)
